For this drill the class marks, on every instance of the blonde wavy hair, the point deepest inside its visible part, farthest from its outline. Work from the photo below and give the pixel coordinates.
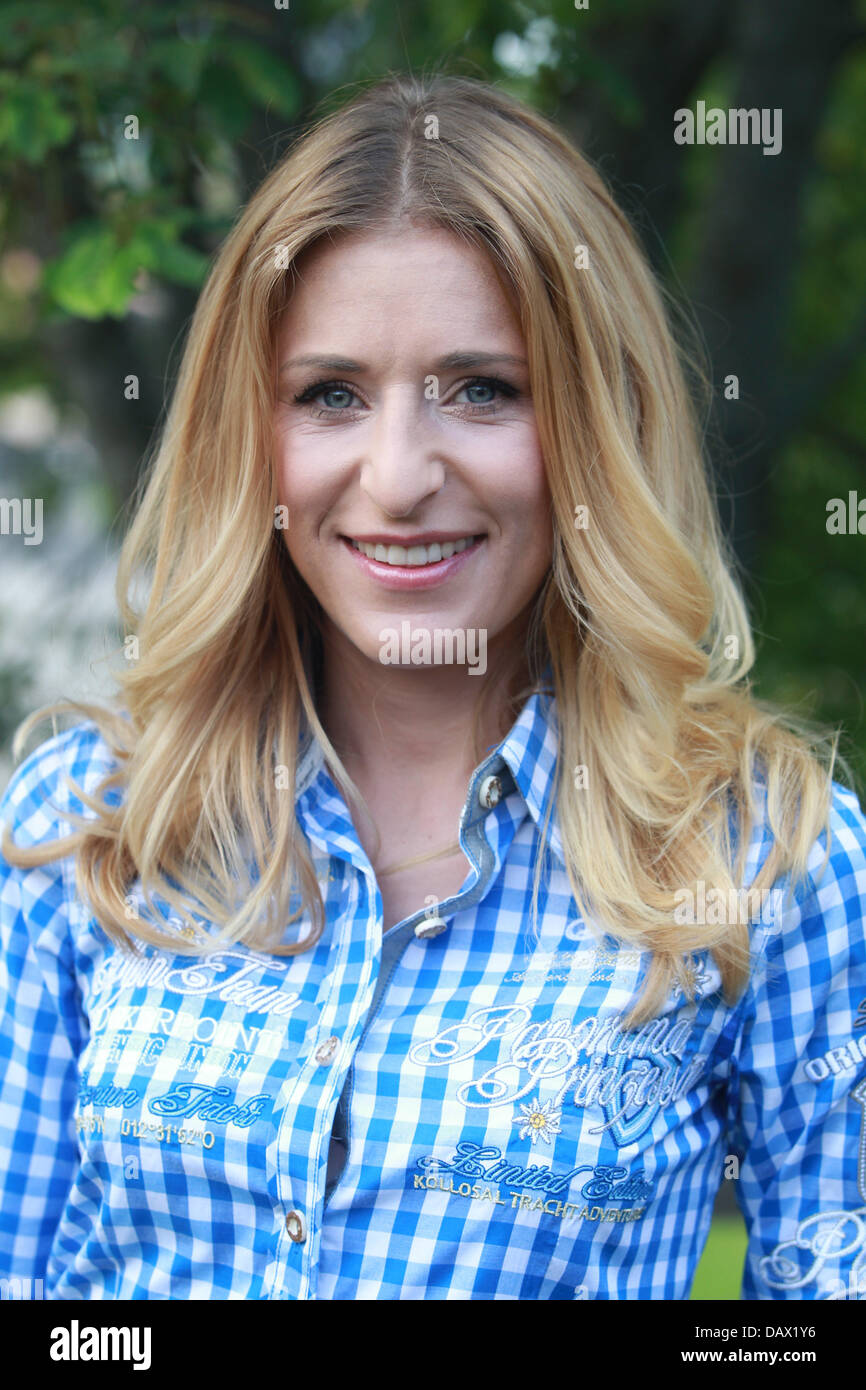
(638, 616)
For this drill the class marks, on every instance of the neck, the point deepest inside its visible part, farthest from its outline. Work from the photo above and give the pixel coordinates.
(415, 719)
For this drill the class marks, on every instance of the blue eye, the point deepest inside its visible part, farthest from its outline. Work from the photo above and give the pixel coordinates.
(480, 386)
(337, 391)
(323, 389)
(492, 384)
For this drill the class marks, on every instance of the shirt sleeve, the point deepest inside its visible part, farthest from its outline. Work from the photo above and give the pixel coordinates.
(797, 1104)
(42, 1028)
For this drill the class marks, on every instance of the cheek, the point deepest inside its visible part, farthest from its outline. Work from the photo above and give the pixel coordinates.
(301, 482)
(533, 528)
(527, 498)
(282, 471)
(295, 493)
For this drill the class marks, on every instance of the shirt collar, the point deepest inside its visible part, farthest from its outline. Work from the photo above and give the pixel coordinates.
(530, 752)
(526, 759)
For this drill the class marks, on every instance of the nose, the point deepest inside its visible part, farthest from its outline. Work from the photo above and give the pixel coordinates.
(402, 466)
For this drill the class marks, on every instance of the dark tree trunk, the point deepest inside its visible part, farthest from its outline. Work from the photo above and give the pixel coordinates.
(787, 55)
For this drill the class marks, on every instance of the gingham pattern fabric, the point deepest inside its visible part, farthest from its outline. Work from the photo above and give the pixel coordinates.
(165, 1121)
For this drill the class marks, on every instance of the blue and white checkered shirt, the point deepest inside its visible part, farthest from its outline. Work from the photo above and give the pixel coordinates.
(165, 1120)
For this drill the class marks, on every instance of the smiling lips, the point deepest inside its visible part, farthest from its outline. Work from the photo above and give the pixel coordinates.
(420, 564)
(413, 556)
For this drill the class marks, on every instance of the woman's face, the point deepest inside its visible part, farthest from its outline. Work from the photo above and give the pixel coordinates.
(406, 441)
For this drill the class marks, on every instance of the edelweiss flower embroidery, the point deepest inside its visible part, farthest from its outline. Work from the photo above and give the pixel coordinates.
(538, 1121)
(697, 977)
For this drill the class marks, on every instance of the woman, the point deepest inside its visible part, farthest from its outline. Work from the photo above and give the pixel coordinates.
(436, 915)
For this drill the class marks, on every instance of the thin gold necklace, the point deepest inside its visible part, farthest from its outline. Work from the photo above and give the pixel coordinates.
(419, 859)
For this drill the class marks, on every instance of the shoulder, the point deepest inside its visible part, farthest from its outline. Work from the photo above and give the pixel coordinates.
(39, 795)
(817, 927)
(847, 827)
(835, 890)
(836, 868)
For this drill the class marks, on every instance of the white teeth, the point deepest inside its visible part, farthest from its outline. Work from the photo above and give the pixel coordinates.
(416, 555)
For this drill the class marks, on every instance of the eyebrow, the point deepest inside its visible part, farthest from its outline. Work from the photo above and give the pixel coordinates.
(459, 361)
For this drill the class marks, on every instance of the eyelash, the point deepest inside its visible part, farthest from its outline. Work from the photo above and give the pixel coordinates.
(308, 395)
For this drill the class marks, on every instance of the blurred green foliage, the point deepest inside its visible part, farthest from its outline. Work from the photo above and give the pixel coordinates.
(135, 105)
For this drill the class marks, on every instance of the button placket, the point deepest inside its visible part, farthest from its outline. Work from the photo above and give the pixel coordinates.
(298, 1259)
(487, 796)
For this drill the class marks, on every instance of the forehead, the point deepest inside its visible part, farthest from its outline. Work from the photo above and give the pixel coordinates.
(418, 282)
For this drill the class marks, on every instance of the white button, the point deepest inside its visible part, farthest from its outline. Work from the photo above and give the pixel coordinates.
(296, 1226)
(430, 926)
(490, 792)
(325, 1051)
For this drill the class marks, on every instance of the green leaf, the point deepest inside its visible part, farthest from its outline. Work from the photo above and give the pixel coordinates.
(32, 121)
(96, 275)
